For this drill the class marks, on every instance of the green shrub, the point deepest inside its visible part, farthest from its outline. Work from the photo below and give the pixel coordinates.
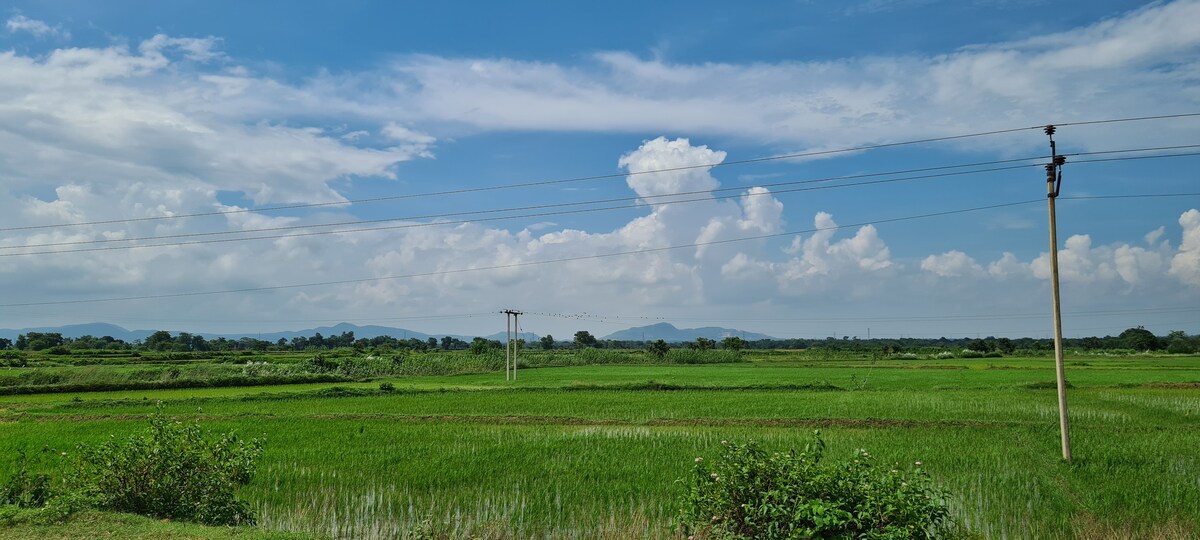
(749, 493)
(172, 471)
(700, 356)
(24, 489)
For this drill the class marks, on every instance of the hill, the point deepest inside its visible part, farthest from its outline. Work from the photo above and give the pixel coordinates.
(668, 332)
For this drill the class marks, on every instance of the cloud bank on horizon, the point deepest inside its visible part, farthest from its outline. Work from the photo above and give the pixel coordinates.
(173, 125)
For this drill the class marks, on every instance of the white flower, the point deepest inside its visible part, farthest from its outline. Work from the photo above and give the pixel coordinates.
(699, 459)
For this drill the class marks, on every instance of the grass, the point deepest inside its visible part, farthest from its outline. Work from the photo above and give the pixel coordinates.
(594, 451)
(91, 525)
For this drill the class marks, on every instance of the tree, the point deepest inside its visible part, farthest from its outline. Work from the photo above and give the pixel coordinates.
(733, 343)
(431, 343)
(1178, 343)
(979, 345)
(702, 344)
(583, 338)
(5, 343)
(480, 345)
(39, 341)
(159, 341)
(658, 348)
(1139, 339)
(547, 342)
(1005, 345)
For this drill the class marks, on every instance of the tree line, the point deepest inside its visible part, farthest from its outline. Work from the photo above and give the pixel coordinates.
(1137, 339)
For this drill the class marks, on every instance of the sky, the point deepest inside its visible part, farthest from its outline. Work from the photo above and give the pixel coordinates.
(599, 166)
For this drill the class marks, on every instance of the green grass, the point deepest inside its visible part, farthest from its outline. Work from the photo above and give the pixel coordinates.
(90, 525)
(594, 451)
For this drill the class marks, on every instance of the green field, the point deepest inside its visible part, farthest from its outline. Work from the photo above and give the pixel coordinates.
(595, 450)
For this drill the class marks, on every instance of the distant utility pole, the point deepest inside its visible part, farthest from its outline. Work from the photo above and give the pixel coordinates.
(510, 344)
(1053, 183)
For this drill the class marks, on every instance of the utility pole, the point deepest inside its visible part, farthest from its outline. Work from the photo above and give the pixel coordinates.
(507, 340)
(517, 335)
(510, 344)
(1053, 183)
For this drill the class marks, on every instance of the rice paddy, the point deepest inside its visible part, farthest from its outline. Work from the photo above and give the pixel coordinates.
(596, 450)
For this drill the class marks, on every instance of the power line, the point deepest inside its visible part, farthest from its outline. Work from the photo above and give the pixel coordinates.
(596, 177)
(519, 264)
(576, 203)
(1119, 120)
(501, 210)
(594, 201)
(930, 318)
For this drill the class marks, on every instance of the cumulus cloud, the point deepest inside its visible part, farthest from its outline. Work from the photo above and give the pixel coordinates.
(1185, 265)
(685, 168)
(165, 126)
(952, 263)
(1080, 262)
(115, 115)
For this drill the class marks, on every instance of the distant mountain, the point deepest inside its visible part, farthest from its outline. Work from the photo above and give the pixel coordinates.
(367, 332)
(668, 332)
(529, 337)
(77, 330)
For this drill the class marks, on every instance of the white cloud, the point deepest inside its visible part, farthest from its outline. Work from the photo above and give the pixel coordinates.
(399, 133)
(198, 49)
(952, 263)
(114, 116)
(162, 127)
(39, 29)
(1007, 266)
(817, 264)
(1152, 237)
(663, 155)
(1185, 265)
(1129, 65)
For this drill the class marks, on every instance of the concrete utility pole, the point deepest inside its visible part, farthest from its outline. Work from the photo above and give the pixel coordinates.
(507, 334)
(510, 344)
(1053, 183)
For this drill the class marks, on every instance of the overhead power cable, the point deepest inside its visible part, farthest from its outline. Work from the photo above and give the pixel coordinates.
(544, 206)
(599, 176)
(562, 205)
(518, 264)
(594, 201)
(929, 318)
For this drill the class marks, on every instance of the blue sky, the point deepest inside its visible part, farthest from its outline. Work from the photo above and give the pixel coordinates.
(123, 110)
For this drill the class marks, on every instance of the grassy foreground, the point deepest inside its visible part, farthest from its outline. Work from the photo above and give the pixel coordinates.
(594, 451)
(91, 524)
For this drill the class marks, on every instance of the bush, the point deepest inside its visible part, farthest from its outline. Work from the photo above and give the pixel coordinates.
(750, 493)
(697, 356)
(24, 489)
(172, 471)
